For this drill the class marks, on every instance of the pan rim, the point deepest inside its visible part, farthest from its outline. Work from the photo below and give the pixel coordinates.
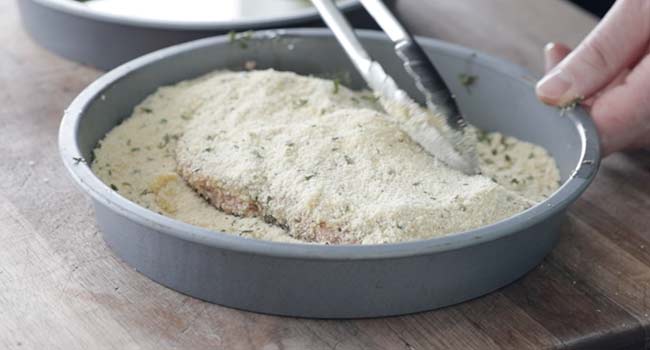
(582, 176)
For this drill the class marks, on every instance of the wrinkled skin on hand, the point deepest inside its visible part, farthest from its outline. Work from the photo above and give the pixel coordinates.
(610, 73)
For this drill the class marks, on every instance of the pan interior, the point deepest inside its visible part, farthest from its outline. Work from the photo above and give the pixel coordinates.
(193, 11)
(501, 99)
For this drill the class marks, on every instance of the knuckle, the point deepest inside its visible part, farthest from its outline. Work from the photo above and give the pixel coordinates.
(596, 56)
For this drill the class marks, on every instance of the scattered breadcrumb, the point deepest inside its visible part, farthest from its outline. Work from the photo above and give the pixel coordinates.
(300, 160)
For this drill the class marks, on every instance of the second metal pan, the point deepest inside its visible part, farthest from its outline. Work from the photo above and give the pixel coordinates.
(105, 39)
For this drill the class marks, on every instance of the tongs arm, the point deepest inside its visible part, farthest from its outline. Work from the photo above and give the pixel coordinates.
(372, 72)
(417, 64)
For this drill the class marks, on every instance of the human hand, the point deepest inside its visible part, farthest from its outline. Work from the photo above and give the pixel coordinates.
(609, 72)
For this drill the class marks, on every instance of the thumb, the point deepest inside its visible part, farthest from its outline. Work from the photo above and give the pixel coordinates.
(616, 43)
(554, 53)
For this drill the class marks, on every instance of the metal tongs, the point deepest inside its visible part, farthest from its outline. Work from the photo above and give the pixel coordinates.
(442, 131)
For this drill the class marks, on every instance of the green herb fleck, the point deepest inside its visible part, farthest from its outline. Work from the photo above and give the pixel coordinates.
(241, 38)
(301, 102)
(416, 184)
(370, 98)
(348, 160)
(186, 117)
(163, 121)
(113, 187)
(78, 160)
(467, 80)
(145, 192)
(165, 141)
(507, 158)
(135, 149)
(514, 182)
(571, 105)
(482, 136)
(309, 177)
(257, 154)
(337, 85)
(247, 35)
(270, 219)
(209, 149)
(147, 110)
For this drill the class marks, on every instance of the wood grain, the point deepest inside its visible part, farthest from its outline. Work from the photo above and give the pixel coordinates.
(516, 30)
(61, 288)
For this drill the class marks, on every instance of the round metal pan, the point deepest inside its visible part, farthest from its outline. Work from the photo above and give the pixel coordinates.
(105, 40)
(332, 281)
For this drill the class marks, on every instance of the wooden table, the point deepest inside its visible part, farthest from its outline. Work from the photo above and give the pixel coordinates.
(60, 287)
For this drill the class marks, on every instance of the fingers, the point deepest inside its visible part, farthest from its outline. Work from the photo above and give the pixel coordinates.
(618, 80)
(641, 143)
(554, 53)
(622, 113)
(617, 42)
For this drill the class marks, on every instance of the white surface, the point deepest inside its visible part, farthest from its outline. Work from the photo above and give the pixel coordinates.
(200, 10)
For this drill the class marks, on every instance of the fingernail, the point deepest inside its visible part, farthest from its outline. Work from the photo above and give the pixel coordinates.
(553, 86)
(549, 60)
(549, 47)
